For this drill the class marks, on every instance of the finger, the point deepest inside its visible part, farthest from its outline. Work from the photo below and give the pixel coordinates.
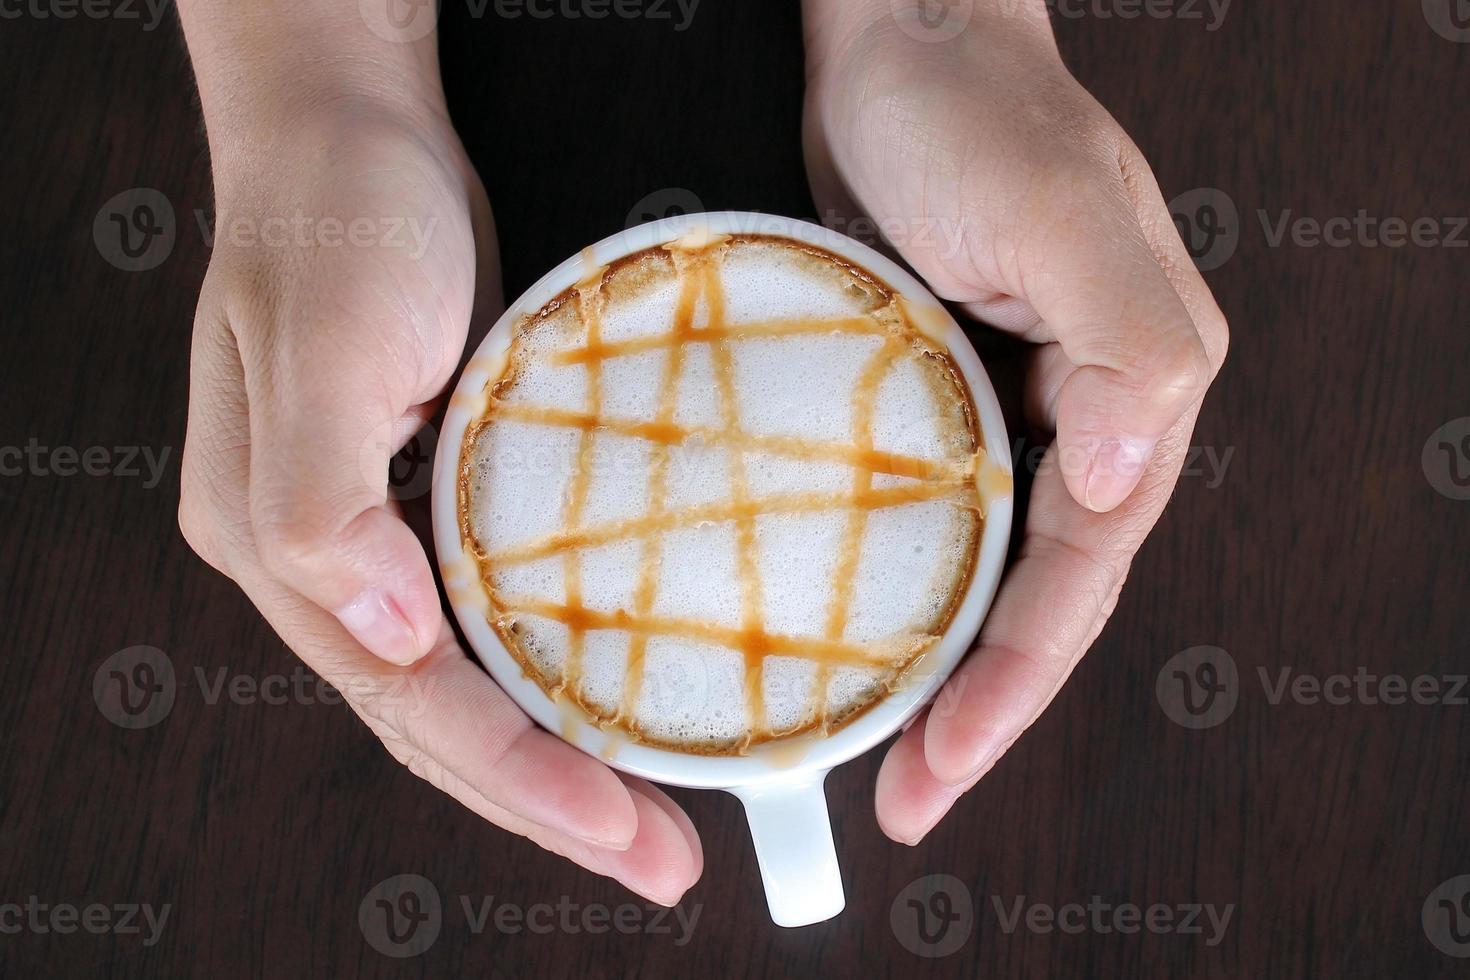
(1048, 370)
(676, 813)
(451, 725)
(1055, 600)
(909, 801)
(330, 401)
(1162, 235)
(665, 859)
(659, 864)
(1096, 282)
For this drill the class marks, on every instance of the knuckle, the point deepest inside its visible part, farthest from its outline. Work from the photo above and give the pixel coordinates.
(287, 539)
(1214, 331)
(1182, 371)
(198, 530)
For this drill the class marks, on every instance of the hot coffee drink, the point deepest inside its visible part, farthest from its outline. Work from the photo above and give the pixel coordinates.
(723, 491)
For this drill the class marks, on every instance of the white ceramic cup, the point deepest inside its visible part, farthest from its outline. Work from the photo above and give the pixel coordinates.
(780, 782)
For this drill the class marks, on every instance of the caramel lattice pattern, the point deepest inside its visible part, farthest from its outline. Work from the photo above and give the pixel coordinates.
(698, 270)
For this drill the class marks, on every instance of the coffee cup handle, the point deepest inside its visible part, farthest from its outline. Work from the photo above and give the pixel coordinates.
(793, 845)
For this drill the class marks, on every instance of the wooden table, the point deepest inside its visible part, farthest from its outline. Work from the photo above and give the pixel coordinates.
(1331, 543)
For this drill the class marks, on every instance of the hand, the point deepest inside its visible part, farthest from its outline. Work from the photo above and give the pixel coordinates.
(1016, 196)
(316, 356)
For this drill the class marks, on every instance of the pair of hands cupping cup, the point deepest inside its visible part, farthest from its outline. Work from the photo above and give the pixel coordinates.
(723, 500)
(1002, 184)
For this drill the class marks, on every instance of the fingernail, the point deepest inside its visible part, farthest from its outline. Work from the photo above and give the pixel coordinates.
(969, 778)
(918, 838)
(1114, 471)
(666, 902)
(606, 843)
(376, 622)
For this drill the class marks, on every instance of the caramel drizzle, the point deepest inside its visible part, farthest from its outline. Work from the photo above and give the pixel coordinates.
(717, 333)
(672, 434)
(596, 535)
(658, 488)
(815, 648)
(746, 550)
(590, 302)
(928, 480)
(865, 399)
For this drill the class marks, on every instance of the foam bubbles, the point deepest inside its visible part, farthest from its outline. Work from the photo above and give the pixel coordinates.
(801, 386)
(693, 693)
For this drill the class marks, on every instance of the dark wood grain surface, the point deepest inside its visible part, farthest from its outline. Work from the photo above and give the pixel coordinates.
(1331, 545)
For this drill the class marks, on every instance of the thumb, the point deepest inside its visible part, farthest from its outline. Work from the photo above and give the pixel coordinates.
(1105, 294)
(325, 420)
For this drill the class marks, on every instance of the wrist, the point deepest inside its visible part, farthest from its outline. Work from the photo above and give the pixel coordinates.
(272, 73)
(837, 29)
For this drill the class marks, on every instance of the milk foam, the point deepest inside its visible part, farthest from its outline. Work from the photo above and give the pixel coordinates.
(691, 686)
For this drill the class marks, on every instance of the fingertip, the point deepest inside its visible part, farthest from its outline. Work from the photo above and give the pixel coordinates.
(675, 813)
(573, 792)
(376, 620)
(374, 577)
(958, 744)
(908, 800)
(1115, 467)
(660, 865)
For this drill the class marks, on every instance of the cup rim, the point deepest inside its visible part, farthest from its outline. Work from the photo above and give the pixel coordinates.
(780, 759)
